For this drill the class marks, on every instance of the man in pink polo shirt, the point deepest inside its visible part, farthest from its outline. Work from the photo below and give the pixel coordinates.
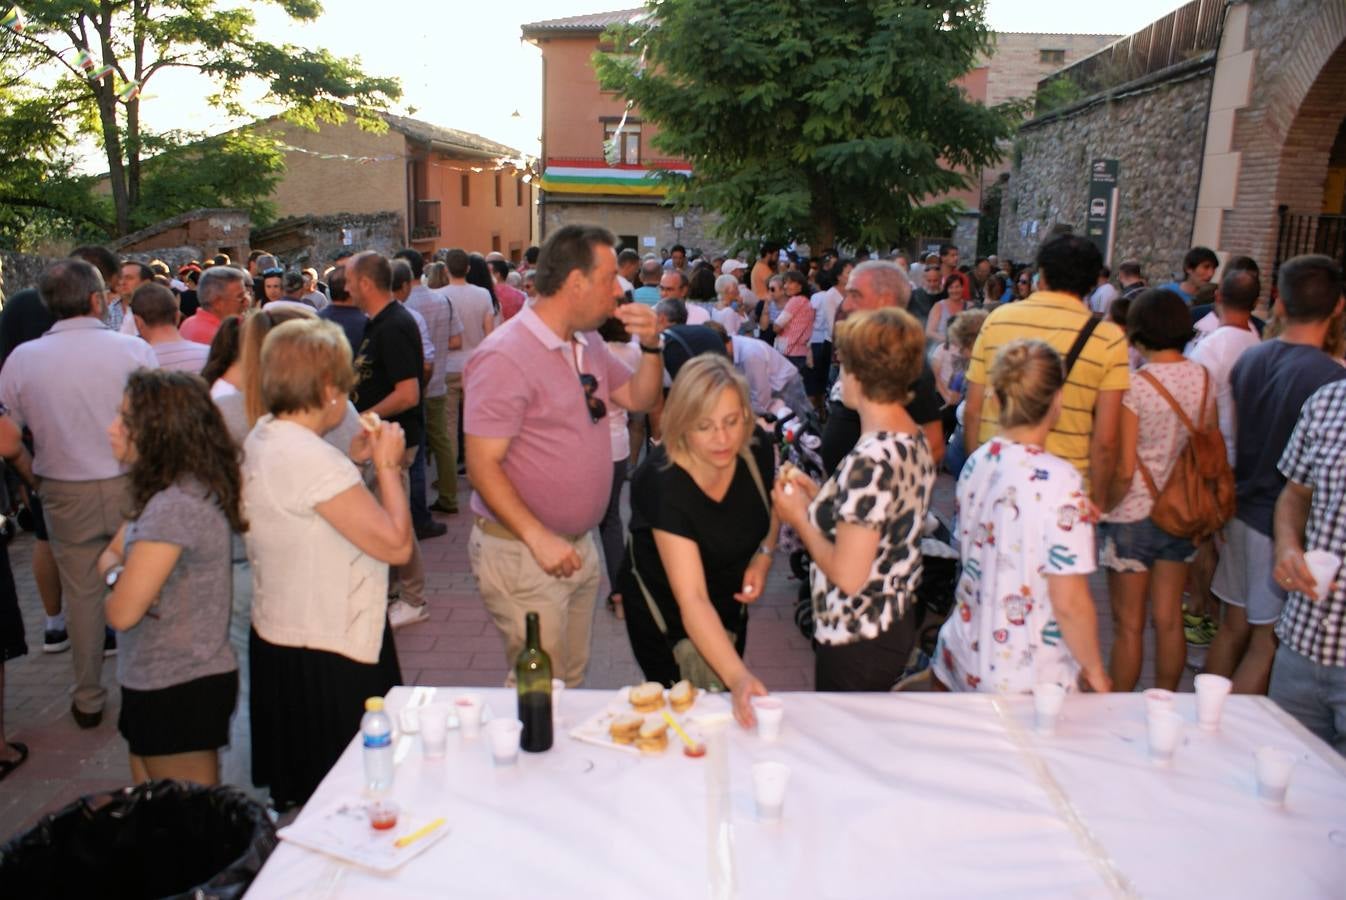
(222, 292)
(538, 448)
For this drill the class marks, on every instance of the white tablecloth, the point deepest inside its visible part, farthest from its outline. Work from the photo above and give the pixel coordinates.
(910, 795)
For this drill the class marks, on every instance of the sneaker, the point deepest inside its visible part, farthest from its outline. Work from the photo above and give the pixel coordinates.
(401, 614)
(1198, 630)
(109, 642)
(55, 640)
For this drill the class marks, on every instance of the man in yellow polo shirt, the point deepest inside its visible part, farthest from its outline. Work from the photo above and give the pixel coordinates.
(1086, 433)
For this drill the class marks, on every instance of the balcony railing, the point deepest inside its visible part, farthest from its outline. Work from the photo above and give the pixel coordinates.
(1308, 233)
(425, 220)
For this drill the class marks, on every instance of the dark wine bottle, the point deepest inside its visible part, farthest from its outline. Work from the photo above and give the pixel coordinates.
(532, 678)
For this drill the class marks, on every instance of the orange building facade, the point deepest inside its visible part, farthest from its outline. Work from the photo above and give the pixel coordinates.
(451, 188)
(579, 185)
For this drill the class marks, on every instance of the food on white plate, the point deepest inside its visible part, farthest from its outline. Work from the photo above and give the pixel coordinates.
(647, 697)
(653, 736)
(626, 727)
(682, 696)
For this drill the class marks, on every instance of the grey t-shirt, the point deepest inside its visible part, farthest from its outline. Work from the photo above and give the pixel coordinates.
(185, 634)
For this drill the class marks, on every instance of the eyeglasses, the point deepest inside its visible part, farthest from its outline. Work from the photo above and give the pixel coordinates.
(598, 410)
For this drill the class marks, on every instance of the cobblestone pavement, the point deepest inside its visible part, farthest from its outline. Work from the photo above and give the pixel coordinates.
(456, 646)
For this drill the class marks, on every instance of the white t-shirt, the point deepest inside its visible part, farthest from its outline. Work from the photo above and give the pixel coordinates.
(1023, 516)
(1206, 326)
(472, 306)
(628, 354)
(824, 305)
(1101, 298)
(732, 320)
(311, 586)
(1218, 352)
(697, 314)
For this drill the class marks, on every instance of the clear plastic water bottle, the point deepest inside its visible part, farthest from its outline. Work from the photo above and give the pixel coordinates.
(376, 733)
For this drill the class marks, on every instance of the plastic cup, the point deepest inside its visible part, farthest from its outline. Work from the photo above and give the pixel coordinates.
(558, 687)
(504, 736)
(1157, 700)
(769, 780)
(1210, 693)
(1048, 698)
(434, 722)
(770, 712)
(1274, 767)
(1165, 731)
(468, 708)
(1324, 566)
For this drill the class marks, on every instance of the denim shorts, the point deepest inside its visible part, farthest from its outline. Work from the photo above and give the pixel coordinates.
(1135, 546)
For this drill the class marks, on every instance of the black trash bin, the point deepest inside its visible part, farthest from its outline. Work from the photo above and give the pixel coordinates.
(159, 839)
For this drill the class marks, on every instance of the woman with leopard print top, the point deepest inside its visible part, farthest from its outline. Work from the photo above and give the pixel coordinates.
(862, 527)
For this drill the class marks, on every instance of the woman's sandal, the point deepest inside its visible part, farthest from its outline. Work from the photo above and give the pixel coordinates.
(9, 765)
(615, 606)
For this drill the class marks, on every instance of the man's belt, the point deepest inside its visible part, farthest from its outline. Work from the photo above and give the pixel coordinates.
(496, 530)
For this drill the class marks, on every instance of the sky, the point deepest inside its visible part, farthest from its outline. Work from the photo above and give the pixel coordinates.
(463, 68)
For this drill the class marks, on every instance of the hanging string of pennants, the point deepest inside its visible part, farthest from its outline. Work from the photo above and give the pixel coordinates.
(520, 165)
(128, 91)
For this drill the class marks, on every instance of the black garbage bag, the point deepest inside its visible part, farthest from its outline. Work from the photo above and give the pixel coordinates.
(159, 839)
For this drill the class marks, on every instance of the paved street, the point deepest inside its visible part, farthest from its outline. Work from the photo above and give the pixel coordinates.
(457, 646)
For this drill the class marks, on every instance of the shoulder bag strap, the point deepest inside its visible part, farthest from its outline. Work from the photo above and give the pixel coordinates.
(757, 480)
(645, 592)
(1173, 404)
(1078, 347)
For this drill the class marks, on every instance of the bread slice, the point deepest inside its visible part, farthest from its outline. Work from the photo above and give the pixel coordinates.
(625, 728)
(647, 697)
(653, 737)
(682, 696)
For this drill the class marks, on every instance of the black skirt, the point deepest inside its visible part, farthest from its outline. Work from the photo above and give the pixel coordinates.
(306, 707)
(183, 718)
(870, 665)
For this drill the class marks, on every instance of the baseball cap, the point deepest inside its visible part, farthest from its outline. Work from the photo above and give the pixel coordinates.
(730, 266)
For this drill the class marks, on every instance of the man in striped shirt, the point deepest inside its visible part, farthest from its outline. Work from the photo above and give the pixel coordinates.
(155, 308)
(1086, 435)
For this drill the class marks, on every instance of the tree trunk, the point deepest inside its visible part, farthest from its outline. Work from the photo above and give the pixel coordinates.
(140, 10)
(107, 115)
(116, 171)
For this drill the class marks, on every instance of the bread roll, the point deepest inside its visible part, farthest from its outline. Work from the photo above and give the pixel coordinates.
(625, 728)
(647, 697)
(682, 696)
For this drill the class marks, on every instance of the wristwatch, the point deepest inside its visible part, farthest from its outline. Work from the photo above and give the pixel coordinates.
(766, 551)
(110, 579)
(656, 349)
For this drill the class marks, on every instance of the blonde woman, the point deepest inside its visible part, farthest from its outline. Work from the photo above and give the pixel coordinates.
(1024, 614)
(862, 528)
(320, 544)
(702, 535)
(436, 276)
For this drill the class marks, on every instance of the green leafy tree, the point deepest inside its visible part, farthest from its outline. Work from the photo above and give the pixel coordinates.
(100, 55)
(824, 122)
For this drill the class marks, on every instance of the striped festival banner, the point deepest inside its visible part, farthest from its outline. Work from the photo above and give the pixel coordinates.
(594, 176)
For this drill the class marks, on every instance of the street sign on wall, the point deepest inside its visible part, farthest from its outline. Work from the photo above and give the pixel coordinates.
(1101, 218)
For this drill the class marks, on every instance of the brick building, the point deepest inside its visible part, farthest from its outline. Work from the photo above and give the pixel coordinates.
(450, 188)
(578, 184)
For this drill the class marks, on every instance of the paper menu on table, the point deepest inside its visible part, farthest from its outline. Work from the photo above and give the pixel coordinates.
(343, 831)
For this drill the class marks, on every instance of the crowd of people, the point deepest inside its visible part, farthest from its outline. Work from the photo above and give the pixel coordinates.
(230, 470)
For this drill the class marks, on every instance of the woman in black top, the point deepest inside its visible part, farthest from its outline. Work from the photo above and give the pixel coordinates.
(702, 535)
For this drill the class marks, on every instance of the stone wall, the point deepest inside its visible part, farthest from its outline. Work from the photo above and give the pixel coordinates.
(1154, 129)
(316, 240)
(21, 270)
(641, 221)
